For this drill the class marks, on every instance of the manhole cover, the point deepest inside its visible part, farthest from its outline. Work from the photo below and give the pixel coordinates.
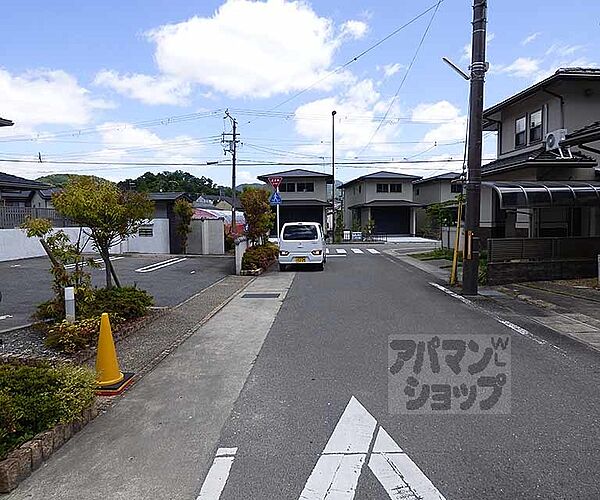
(260, 296)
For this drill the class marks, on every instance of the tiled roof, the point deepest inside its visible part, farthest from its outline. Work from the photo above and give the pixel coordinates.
(384, 176)
(584, 135)
(297, 172)
(12, 181)
(537, 156)
(169, 196)
(446, 176)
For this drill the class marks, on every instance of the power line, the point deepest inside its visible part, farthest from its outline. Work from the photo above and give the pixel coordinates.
(355, 58)
(412, 62)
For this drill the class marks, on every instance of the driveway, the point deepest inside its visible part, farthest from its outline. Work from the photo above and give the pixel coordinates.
(169, 278)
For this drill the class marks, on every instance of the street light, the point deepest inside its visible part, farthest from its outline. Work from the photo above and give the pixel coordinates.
(6, 123)
(456, 68)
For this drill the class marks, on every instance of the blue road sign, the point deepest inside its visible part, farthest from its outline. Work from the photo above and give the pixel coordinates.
(275, 198)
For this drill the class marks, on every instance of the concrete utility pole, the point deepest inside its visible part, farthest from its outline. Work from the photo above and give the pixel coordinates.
(478, 69)
(333, 175)
(232, 148)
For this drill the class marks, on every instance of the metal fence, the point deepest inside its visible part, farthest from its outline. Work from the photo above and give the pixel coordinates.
(360, 236)
(538, 249)
(13, 217)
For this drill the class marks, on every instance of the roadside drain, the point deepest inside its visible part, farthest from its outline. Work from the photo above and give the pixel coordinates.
(261, 296)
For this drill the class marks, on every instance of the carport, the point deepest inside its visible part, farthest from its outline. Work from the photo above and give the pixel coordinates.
(391, 217)
(301, 211)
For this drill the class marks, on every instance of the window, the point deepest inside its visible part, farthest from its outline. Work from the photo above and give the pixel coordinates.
(418, 191)
(146, 232)
(287, 187)
(359, 188)
(395, 188)
(382, 188)
(535, 126)
(305, 187)
(297, 232)
(520, 132)
(456, 188)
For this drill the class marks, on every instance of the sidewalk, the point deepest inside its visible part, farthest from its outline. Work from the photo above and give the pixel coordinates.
(181, 405)
(566, 307)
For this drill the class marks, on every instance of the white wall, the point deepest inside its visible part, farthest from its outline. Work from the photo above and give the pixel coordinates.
(157, 243)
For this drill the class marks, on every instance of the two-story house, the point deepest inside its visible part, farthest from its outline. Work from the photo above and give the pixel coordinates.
(384, 197)
(303, 195)
(436, 189)
(17, 191)
(541, 184)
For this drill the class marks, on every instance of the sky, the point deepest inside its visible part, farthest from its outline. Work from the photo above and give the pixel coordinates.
(95, 84)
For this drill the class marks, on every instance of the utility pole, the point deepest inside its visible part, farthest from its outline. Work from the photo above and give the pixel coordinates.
(333, 175)
(232, 148)
(472, 218)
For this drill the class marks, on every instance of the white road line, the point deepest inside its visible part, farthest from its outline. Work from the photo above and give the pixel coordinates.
(327, 251)
(217, 475)
(357, 250)
(509, 324)
(159, 265)
(372, 250)
(341, 250)
(97, 261)
(398, 474)
(6, 316)
(336, 474)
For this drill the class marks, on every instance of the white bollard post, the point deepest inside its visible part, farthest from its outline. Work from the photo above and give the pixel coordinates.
(70, 303)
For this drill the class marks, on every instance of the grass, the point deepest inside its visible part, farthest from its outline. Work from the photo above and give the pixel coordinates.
(438, 253)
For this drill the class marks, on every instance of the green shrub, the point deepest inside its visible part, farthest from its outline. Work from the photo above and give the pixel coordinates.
(229, 242)
(35, 398)
(72, 337)
(260, 256)
(127, 302)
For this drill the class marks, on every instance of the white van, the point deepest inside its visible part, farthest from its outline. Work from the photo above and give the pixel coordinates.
(302, 243)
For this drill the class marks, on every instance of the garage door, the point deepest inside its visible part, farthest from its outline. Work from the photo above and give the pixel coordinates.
(391, 220)
(300, 214)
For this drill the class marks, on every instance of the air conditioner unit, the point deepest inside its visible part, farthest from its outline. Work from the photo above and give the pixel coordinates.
(554, 138)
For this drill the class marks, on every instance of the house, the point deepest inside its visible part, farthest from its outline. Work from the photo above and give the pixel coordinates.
(17, 191)
(303, 196)
(543, 190)
(436, 189)
(164, 215)
(218, 201)
(384, 197)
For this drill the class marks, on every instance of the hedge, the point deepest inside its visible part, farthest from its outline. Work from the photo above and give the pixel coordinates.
(260, 256)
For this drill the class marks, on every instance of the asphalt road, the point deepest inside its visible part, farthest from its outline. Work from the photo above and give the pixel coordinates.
(329, 344)
(26, 283)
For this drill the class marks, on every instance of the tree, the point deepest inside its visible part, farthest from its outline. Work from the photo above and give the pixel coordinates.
(339, 226)
(185, 211)
(177, 181)
(442, 214)
(107, 214)
(259, 216)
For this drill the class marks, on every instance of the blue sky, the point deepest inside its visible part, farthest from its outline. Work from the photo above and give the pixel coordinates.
(148, 81)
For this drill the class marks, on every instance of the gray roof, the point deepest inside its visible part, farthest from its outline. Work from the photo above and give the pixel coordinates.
(584, 135)
(446, 176)
(387, 203)
(538, 156)
(560, 74)
(169, 196)
(12, 181)
(390, 176)
(295, 173)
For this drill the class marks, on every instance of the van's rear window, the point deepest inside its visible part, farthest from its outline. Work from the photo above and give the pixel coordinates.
(300, 233)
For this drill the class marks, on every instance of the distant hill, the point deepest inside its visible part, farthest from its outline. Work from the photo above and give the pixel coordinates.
(260, 185)
(59, 180)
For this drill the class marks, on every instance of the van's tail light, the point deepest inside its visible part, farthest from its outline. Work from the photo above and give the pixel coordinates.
(283, 252)
(317, 252)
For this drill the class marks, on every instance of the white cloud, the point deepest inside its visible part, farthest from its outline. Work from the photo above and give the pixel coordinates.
(563, 50)
(253, 49)
(148, 89)
(391, 69)
(523, 67)
(431, 112)
(354, 29)
(452, 130)
(45, 97)
(359, 109)
(531, 38)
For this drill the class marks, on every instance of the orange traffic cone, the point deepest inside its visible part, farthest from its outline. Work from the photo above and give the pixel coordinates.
(109, 378)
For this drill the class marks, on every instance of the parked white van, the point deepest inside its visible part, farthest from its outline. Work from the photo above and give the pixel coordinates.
(302, 243)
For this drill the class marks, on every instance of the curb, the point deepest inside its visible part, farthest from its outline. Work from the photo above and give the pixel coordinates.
(22, 461)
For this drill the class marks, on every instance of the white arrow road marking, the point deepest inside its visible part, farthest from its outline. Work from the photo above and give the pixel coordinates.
(372, 250)
(336, 474)
(341, 250)
(159, 265)
(397, 473)
(357, 250)
(218, 474)
(6, 316)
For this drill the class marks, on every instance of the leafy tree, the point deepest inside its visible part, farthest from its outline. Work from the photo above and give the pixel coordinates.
(184, 210)
(259, 216)
(108, 214)
(59, 180)
(339, 226)
(177, 181)
(369, 229)
(442, 214)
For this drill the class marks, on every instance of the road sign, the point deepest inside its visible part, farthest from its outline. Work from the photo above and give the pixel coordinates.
(275, 198)
(275, 181)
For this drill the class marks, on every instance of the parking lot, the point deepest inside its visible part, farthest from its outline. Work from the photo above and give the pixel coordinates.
(170, 279)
